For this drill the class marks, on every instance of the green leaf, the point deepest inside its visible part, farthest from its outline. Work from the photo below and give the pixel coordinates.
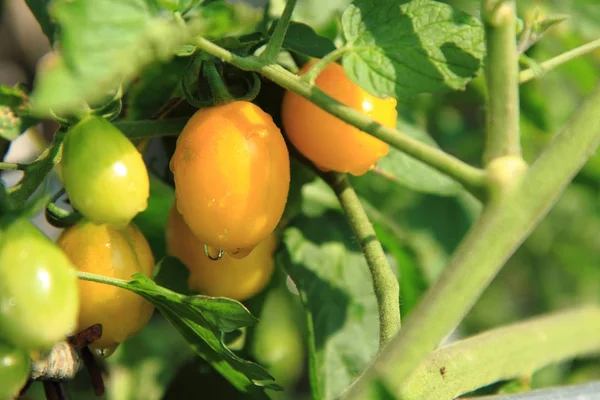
(401, 50)
(105, 43)
(202, 321)
(302, 39)
(416, 175)
(335, 287)
(39, 8)
(155, 87)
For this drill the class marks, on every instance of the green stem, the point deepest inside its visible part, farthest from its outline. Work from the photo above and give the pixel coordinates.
(311, 75)
(86, 276)
(502, 76)
(473, 179)
(504, 353)
(529, 74)
(385, 283)
(506, 222)
(12, 166)
(218, 87)
(151, 128)
(274, 46)
(36, 172)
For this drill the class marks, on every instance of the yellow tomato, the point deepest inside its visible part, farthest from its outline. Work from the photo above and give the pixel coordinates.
(232, 176)
(103, 250)
(326, 140)
(235, 278)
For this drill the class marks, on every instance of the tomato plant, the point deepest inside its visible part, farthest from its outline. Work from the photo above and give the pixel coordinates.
(98, 159)
(14, 370)
(116, 253)
(402, 193)
(327, 141)
(230, 277)
(232, 176)
(38, 288)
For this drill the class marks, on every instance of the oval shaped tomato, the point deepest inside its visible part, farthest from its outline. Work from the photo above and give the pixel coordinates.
(104, 174)
(38, 288)
(14, 370)
(232, 176)
(238, 279)
(115, 253)
(326, 140)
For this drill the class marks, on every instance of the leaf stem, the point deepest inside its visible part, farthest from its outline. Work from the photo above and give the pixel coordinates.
(531, 73)
(385, 282)
(311, 75)
(501, 73)
(274, 46)
(505, 222)
(12, 166)
(151, 128)
(473, 179)
(475, 362)
(86, 276)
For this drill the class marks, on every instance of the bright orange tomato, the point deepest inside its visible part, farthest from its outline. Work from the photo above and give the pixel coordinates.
(235, 278)
(326, 140)
(232, 176)
(115, 253)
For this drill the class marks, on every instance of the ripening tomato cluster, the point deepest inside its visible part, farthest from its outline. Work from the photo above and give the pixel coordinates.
(231, 170)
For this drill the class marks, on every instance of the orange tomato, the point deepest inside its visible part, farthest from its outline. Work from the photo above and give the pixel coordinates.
(326, 140)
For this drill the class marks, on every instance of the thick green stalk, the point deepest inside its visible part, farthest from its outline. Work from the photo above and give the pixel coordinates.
(473, 179)
(529, 74)
(502, 227)
(385, 283)
(502, 77)
(504, 353)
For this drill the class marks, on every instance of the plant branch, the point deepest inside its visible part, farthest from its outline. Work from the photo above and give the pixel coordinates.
(86, 276)
(531, 73)
(505, 222)
(385, 283)
(473, 179)
(12, 166)
(274, 46)
(501, 73)
(151, 128)
(504, 353)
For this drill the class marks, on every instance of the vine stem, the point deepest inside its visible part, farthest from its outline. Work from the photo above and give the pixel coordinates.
(473, 179)
(471, 363)
(274, 46)
(385, 282)
(502, 76)
(151, 128)
(311, 75)
(505, 222)
(529, 74)
(86, 276)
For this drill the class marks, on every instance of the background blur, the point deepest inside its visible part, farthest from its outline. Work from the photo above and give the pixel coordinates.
(558, 267)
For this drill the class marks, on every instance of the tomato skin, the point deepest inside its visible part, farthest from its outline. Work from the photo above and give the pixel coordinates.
(38, 288)
(103, 172)
(327, 141)
(232, 176)
(238, 279)
(14, 370)
(115, 253)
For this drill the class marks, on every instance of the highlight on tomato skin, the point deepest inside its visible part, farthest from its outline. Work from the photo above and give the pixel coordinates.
(238, 279)
(14, 370)
(232, 175)
(115, 253)
(38, 288)
(330, 143)
(104, 173)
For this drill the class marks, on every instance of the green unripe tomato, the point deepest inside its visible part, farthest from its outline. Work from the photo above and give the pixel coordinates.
(39, 298)
(14, 370)
(104, 174)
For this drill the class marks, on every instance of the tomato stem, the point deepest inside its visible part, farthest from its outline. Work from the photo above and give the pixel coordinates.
(502, 78)
(385, 282)
(314, 71)
(274, 46)
(217, 86)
